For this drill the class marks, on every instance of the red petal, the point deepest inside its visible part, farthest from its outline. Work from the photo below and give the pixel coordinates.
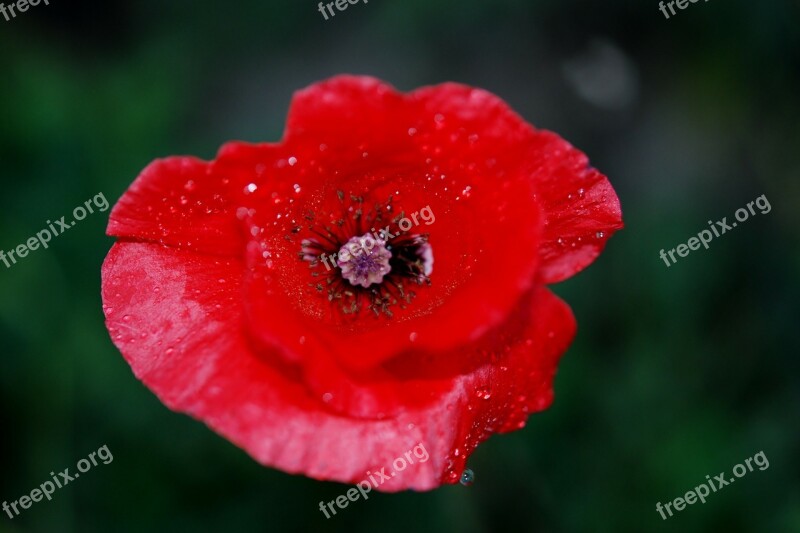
(179, 202)
(465, 158)
(582, 210)
(181, 330)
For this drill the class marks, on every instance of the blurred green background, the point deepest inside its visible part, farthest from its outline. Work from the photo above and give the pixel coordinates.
(675, 372)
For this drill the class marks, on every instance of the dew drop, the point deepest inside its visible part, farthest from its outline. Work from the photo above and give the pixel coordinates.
(599, 234)
(484, 394)
(190, 186)
(250, 188)
(467, 477)
(413, 336)
(581, 193)
(292, 161)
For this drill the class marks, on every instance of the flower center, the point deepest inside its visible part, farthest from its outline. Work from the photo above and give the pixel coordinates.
(373, 258)
(364, 260)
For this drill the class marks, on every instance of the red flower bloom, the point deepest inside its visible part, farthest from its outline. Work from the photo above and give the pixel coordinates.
(373, 281)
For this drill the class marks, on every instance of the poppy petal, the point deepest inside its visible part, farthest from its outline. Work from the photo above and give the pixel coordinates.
(180, 202)
(213, 373)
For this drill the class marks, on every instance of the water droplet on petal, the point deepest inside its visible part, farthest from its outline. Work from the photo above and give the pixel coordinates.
(484, 394)
(467, 477)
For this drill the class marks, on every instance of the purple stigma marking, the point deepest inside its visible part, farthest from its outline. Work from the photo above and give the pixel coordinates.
(364, 260)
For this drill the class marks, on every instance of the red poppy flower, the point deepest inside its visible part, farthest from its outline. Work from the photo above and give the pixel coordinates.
(374, 281)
